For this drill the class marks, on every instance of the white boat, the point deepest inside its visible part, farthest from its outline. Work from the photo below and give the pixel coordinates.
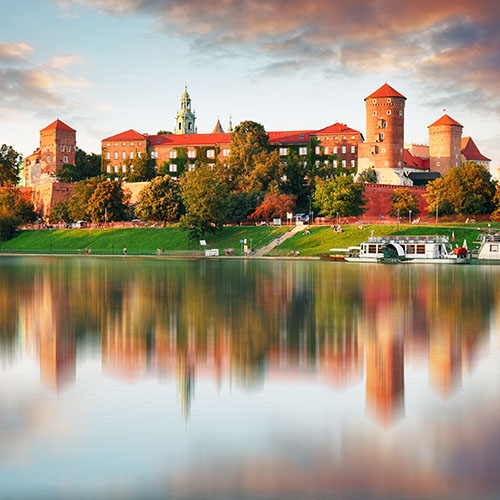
(490, 247)
(411, 249)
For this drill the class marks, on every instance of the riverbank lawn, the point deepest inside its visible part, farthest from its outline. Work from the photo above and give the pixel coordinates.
(138, 241)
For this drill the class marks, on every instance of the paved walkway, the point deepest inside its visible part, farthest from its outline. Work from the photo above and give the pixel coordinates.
(294, 230)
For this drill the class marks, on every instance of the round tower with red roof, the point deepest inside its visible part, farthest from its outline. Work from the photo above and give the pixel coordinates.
(384, 146)
(445, 144)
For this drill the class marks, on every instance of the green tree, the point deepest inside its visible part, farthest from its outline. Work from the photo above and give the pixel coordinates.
(78, 203)
(86, 166)
(59, 212)
(248, 140)
(143, 168)
(403, 201)
(368, 176)
(339, 195)
(205, 197)
(241, 205)
(267, 173)
(160, 200)
(10, 166)
(108, 202)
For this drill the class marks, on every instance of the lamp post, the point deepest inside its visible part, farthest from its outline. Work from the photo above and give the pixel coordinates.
(338, 215)
(409, 216)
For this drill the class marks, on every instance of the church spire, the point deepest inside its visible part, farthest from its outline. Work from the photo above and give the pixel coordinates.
(185, 118)
(230, 125)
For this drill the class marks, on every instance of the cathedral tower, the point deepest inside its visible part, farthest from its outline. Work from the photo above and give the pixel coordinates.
(185, 118)
(445, 144)
(384, 146)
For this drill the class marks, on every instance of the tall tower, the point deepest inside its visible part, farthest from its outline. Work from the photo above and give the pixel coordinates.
(384, 146)
(185, 118)
(57, 147)
(445, 144)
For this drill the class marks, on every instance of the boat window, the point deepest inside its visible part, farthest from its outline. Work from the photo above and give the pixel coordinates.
(493, 248)
(372, 248)
(410, 249)
(421, 249)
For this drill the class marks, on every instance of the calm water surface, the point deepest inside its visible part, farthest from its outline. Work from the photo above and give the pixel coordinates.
(149, 378)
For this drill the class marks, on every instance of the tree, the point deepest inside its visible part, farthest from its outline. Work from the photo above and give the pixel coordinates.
(274, 206)
(85, 167)
(59, 212)
(143, 168)
(403, 201)
(467, 189)
(339, 195)
(108, 202)
(205, 197)
(267, 173)
(78, 203)
(14, 211)
(160, 200)
(248, 140)
(10, 166)
(368, 176)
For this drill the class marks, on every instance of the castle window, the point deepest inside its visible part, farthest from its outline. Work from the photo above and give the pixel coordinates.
(108, 156)
(124, 144)
(116, 169)
(124, 168)
(173, 154)
(318, 150)
(124, 155)
(283, 151)
(374, 101)
(400, 112)
(154, 155)
(191, 167)
(326, 150)
(302, 151)
(438, 163)
(389, 112)
(108, 144)
(353, 149)
(344, 150)
(131, 155)
(374, 113)
(335, 150)
(353, 163)
(225, 153)
(211, 153)
(389, 99)
(384, 150)
(131, 143)
(62, 148)
(190, 126)
(172, 167)
(108, 169)
(344, 164)
(335, 163)
(116, 155)
(192, 153)
(65, 159)
(48, 159)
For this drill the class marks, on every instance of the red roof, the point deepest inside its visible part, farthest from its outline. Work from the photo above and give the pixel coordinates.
(129, 135)
(294, 137)
(412, 161)
(337, 128)
(189, 139)
(385, 91)
(58, 125)
(445, 120)
(471, 151)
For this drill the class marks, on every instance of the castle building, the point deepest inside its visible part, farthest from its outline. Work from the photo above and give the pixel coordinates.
(445, 144)
(383, 150)
(57, 147)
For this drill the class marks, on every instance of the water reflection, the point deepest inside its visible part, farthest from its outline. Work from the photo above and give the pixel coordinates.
(254, 324)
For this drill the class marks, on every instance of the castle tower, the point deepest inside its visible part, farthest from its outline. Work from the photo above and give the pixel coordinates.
(57, 147)
(445, 144)
(185, 118)
(384, 146)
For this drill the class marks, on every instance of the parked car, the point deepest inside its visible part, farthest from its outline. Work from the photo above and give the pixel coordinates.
(80, 224)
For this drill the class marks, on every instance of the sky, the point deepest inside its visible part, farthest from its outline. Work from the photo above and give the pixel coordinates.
(107, 66)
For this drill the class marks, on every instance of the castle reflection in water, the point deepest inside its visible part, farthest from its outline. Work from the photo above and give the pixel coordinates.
(249, 323)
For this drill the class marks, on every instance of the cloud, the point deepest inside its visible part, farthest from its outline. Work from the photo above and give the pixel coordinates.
(14, 52)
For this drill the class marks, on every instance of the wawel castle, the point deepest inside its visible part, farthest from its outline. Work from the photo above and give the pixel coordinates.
(381, 149)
